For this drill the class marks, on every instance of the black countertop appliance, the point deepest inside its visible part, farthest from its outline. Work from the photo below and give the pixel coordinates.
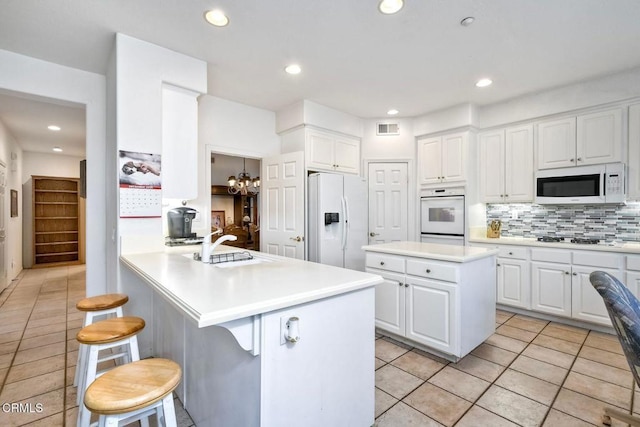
(180, 222)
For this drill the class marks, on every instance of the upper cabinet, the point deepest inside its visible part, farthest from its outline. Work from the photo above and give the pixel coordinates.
(442, 159)
(505, 163)
(633, 167)
(584, 140)
(331, 152)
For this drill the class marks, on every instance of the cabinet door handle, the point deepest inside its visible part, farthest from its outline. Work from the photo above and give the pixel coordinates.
(400, 283)
(406, 285)
(510, 253)
(428, 270)
(579, 159)
(571, 160)
(566, 272)
(381, 262)
(372, 234)
(575, 274)
(497, 265)
(506, 195)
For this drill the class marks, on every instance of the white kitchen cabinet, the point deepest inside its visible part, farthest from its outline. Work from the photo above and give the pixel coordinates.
(564, 288)
(633, 164)
(442, 159)
(505, 163)
(551, 288)
(589, 139)
(431, 313)
(599, 137)
(331, 152)
(390, 307)
(448, 307)
(513, 275)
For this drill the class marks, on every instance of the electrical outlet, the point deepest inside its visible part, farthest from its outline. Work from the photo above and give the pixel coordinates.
(514, 214)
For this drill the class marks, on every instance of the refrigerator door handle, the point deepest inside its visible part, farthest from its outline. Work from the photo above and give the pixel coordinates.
(345, 221)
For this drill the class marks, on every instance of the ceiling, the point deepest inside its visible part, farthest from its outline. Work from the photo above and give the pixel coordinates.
(354, 59)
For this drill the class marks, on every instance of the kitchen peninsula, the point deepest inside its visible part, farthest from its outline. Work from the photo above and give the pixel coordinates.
(438, 297)
(227, 326)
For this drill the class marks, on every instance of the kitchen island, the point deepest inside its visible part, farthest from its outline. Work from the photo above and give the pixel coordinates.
(226, 325)
(441, 298)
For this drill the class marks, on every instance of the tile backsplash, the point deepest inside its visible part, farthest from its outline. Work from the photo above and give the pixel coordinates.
(604, 222)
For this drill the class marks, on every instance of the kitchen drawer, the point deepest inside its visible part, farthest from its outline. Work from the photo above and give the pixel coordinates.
(385, 262)
(551, 255)
(597, 259)
(432, 269)
(633, 262)
(513, 252)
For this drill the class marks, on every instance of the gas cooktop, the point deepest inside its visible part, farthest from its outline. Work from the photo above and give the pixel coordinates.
(550, 239)
(585, 241)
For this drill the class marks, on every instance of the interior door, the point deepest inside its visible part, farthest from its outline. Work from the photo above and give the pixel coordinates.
(388, 202)
(282, 188)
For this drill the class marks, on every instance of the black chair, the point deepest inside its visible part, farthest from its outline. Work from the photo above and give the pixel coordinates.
(624, 311)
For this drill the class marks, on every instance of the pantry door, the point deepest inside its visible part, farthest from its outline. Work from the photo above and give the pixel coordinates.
(388, 202)
(282, 192)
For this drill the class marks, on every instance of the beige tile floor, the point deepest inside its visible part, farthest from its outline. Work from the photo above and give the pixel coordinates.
(529, 373)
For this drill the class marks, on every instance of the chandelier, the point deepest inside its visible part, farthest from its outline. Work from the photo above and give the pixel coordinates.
(244, 184)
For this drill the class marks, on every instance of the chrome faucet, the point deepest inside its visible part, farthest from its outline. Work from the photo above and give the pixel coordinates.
(208, 248)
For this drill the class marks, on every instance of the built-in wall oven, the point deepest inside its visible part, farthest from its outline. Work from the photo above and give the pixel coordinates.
(442, 218)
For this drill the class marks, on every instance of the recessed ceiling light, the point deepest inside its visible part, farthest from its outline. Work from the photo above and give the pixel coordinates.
(57, 149)
(389, 7)
(467, 21)
(293, 69)
(53, 128)
(392, 112)
(217, 18)
(484, 82)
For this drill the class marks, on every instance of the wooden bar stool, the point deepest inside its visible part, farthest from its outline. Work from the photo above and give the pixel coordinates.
(135, 391)
(102, 335)
(96, 307)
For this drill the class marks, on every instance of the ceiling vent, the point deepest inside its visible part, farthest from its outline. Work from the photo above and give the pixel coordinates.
(387, 129)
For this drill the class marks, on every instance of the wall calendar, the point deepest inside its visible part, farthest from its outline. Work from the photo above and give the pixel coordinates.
(140, 185)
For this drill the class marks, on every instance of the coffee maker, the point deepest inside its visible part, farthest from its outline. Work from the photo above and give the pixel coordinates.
(180, 222)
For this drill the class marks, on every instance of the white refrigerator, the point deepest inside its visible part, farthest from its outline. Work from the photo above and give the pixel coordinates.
(338, 218)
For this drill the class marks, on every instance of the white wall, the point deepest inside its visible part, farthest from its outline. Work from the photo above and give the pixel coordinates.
(401, 146)
(613, 88)
(13, 241)
(50, 165)
(463, 115)
(32, 76)
(310, 113)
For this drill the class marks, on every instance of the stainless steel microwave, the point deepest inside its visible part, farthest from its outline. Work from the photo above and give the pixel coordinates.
(581, 185)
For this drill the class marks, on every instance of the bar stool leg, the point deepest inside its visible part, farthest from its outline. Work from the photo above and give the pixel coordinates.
(82, 350)
(91, 373)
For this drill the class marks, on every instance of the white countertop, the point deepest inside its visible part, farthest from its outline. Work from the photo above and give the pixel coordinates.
(211, 295)
(628, 247)
(432, 251)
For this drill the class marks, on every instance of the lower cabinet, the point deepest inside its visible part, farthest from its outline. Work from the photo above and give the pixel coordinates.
(551, 288)
(430, 313)
(390, 306)
(513, 282)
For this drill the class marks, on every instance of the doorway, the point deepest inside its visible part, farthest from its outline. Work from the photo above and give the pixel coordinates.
(235, 210)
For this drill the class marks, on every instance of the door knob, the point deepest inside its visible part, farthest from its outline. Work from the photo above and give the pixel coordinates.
(372, 234)
(297, 238)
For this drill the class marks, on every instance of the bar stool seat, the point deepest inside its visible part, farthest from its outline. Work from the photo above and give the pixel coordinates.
(98, 306)
(106, 334)
(102, 302)
(134, 391)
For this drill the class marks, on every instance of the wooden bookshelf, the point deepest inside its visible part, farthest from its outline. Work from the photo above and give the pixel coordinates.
(56, 214)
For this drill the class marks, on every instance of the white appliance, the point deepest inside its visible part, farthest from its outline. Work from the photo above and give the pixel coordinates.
(442, 216)
(581, 184)
(337, 220)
